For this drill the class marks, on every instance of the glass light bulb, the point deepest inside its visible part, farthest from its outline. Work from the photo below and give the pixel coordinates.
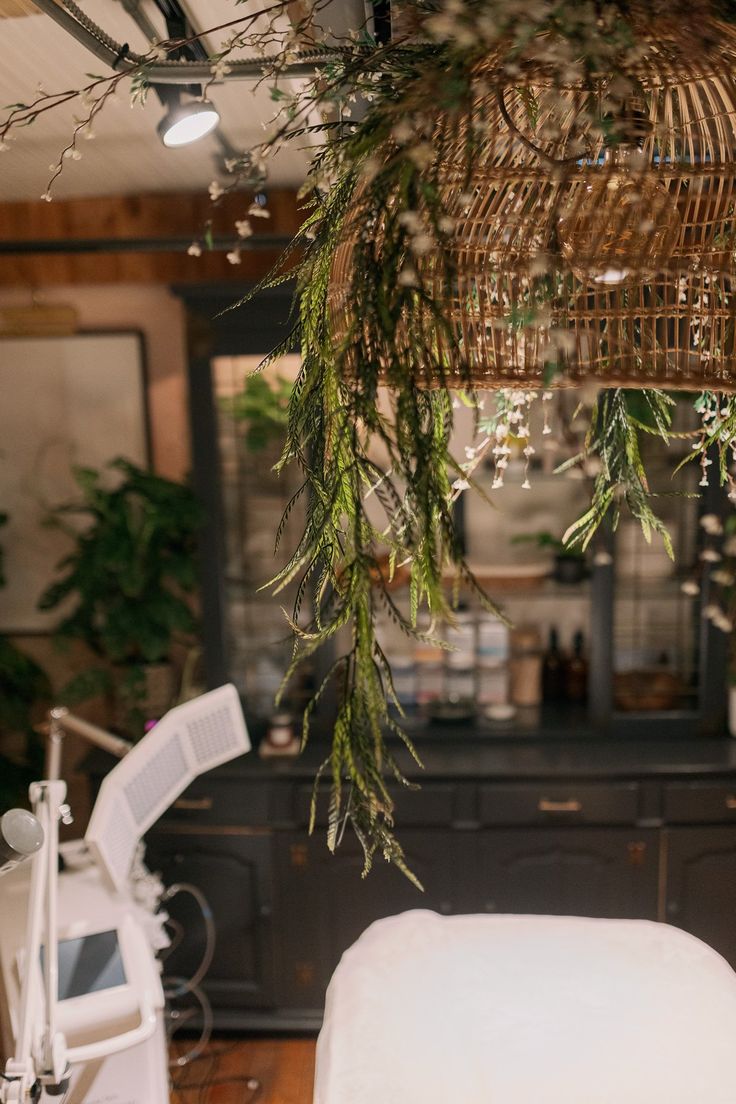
(188, 124)
(623, 225)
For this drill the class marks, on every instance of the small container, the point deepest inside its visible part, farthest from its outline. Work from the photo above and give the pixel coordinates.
(460, 684)
(493, 642)
(430, 683)
(280, 730)
(493, 685)
(404, 672)
(526, 666)
(461, 638)
(427, 653)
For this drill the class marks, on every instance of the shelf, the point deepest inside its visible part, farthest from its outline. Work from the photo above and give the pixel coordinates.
(642, 590)
(549, 590)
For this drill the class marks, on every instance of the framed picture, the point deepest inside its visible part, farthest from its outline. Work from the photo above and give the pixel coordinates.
(64, 401)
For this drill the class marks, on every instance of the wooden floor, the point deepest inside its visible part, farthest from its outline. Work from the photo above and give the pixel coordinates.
(284, 1069)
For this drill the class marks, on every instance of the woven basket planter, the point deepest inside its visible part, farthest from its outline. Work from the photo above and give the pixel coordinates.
(614, 260)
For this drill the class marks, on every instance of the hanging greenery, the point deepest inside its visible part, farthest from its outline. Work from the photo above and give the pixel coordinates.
(451, 246)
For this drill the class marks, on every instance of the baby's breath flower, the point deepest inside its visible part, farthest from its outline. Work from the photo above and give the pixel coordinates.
(195, 249)
(233, 256)
(408, 277)
(421, 244)
(411, 221)
(402, 132)
(370, 168)
(422, 155)
(244, 228)
(712, 524)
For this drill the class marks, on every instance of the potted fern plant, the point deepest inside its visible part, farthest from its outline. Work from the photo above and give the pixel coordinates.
(123, 589)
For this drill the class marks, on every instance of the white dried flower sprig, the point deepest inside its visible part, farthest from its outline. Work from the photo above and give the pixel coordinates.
(509, 421)
(251, 31)
(722, 553)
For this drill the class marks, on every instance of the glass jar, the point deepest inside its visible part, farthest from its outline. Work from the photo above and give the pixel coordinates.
(525, 668)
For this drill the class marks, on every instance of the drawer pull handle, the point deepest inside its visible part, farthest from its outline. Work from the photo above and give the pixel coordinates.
(731, 802)
(193, 804)
(572, 805)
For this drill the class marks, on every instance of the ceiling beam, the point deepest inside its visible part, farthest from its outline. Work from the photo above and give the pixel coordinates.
(139, 239)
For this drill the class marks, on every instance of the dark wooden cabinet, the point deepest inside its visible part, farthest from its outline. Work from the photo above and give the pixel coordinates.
(325, 904)
(593, 829)
(234, 872)
(701, 884)
(569, 872)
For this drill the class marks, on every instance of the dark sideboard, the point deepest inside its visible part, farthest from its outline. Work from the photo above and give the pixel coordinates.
(592, 827)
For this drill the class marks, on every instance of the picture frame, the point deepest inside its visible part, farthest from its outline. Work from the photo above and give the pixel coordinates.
(64, 401)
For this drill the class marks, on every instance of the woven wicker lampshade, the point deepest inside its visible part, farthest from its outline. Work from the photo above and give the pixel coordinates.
(607, 249)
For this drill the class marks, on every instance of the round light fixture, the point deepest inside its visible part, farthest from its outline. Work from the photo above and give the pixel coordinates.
(185, 123)
(622, 226)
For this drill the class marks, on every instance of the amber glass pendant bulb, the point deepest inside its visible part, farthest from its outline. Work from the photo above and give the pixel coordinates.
(621, 223)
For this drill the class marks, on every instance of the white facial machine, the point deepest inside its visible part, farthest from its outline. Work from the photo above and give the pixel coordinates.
(81, 1008)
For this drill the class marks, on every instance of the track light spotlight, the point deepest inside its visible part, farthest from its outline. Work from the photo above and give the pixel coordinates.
(187, 122)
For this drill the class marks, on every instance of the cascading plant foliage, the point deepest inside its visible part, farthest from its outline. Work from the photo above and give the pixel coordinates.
(371, 439)
(391, 159)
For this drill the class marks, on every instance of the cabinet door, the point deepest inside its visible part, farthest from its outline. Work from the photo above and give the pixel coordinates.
(701, 885)
(569, 872)
(324, 904)
(233, 872)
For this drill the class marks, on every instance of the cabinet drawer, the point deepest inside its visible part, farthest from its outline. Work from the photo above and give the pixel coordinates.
(700, 802)
(559, 803)
(222, 802)
(432, 805)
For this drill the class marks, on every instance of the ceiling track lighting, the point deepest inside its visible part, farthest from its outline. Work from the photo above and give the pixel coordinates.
(186, 121)
(85, 31)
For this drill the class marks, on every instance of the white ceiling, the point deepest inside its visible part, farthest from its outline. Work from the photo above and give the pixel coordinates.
(126, 156)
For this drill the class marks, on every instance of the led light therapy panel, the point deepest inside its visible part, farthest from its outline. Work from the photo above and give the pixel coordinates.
(191, 739)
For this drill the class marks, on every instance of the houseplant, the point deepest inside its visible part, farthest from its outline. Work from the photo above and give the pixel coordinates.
(569, 567)
(452, 245)
(262, 406)
(124, 587)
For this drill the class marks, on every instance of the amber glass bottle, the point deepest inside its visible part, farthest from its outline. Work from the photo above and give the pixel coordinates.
(553, 670)
(576, 671)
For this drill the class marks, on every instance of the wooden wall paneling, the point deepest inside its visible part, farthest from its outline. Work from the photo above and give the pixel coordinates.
(164, 216)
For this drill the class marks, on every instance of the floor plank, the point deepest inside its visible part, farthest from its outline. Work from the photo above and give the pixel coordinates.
(284, 1069)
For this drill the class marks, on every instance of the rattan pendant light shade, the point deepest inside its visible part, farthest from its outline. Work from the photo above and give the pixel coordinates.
(613, 259)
